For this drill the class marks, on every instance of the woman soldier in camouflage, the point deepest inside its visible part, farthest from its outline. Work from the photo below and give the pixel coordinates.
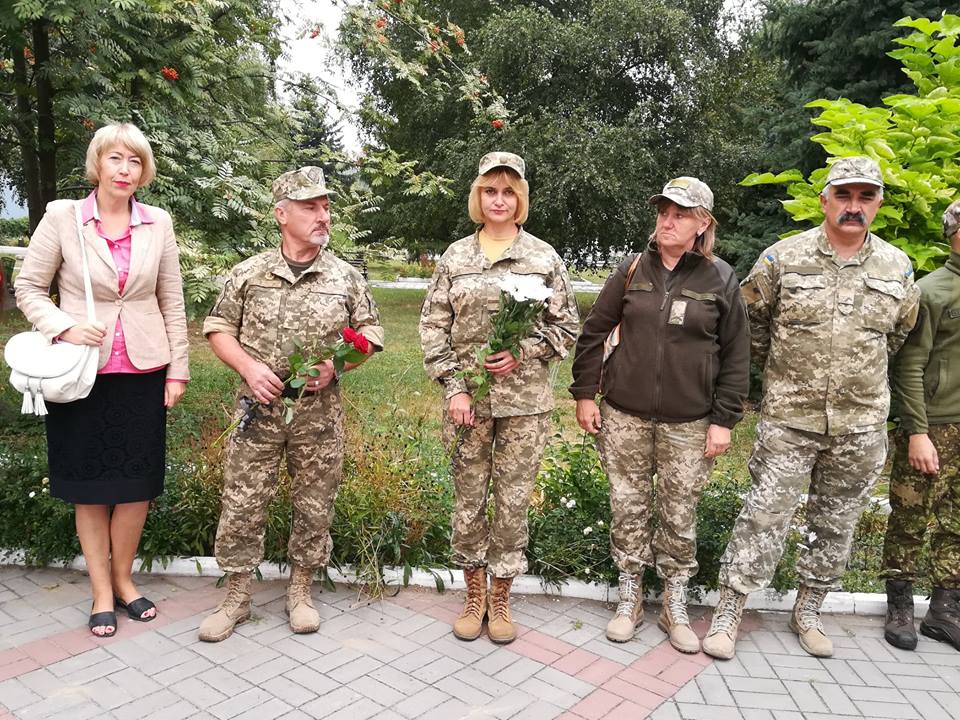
(499, 439)
(671, 391)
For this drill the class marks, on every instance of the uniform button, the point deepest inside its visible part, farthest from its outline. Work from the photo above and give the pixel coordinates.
(117, 335)
(117, 352)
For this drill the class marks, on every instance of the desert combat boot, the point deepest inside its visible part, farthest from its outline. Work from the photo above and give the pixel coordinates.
(470, 623)
(629, 615)
(721, 639)
(234, 610)
(673, 618)
(304, 617)
(899, 630)
(805, 621)
(500, 627)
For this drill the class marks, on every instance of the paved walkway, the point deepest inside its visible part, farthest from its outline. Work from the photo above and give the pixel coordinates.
(396, 659)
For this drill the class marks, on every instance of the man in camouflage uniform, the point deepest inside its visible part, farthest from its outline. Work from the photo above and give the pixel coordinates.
(297, 293)
(827, 308)
(926, 466)
(500, 439)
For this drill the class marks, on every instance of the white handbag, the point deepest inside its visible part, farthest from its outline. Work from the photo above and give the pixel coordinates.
(59, 372)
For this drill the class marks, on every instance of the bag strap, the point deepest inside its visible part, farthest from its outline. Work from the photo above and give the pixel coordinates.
(87, 287)
(632, 271)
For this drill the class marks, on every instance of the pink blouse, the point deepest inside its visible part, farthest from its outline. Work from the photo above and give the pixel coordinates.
(119, 361)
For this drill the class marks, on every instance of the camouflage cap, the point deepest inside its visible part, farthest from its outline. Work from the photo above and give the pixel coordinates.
(951, 220)
(302, 184)
(686, 192)
(858, 169)
(502, 159)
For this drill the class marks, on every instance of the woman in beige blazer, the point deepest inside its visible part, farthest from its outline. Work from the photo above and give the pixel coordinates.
(107, 452)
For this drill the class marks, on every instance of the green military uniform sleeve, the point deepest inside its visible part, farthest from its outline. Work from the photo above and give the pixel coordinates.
(557, 330)
(759, 294)
(227, 313)
(910, 364)
(436, 323)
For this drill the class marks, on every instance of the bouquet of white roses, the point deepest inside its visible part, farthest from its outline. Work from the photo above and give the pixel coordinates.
(522, 299)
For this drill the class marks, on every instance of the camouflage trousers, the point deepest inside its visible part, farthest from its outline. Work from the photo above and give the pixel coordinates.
(634, 452)
(841, 471)
(312, 447)
(503, 453)
(915, 500)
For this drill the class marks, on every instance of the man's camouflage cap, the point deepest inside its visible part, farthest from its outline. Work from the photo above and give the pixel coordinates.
(951, 220)
(859, 169)
(502, 159)
(302, 184)
(686, 192)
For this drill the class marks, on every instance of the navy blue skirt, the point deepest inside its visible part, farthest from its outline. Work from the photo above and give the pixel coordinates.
(110, 447)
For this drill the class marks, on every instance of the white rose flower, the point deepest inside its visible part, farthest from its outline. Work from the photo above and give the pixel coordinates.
(599, 523)
(32, 494)
(587, 530)
(525, 287)
(563, 501)
(572, 503)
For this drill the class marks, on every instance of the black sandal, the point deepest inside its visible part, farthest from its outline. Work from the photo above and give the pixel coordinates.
(107, 618)
(136, 608)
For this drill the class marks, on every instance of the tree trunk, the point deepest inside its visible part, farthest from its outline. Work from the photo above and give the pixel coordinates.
(27, 139)
(46, 129)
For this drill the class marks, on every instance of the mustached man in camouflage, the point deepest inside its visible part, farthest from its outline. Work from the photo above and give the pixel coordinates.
(827, 308)
(672, 389)
(498, 440)
(925, 479)
(296, 293)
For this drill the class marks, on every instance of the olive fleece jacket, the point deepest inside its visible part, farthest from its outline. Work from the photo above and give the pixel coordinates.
(684, 352)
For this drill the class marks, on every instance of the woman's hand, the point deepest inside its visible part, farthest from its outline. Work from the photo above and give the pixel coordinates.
(718, 441)
(85, 334)
(172, 392)
(460, 409)
(501, 363)
(923, 455)
(588, 415)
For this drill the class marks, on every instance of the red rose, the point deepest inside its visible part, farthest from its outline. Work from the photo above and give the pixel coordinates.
(381, 23)
(349, 335)
(361, 343)
(497, 124)
(170, 73)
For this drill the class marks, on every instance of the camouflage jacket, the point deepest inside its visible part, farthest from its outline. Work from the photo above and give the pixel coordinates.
(823, 328)
(455, 322)
(267, 308)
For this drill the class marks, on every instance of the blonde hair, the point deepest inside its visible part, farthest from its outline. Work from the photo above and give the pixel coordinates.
(516, 183)
(130, 137)
(703, 245)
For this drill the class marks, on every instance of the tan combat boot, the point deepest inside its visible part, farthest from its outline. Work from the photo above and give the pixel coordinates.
(304, 618)
(629, 613)
(470, 623)
(673, 617)
(805, 621)
(721, 639)
(500, 625)
(234, 610)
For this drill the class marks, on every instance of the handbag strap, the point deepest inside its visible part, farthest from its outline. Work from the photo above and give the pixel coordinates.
(632, 271)
(87, 287)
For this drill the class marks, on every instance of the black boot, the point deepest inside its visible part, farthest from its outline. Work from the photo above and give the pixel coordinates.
(899, 630)
(942, 621)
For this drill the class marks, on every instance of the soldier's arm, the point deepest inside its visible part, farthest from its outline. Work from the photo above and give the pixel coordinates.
(365, 315)
(733, 379)
(909, 366)
(560, 323)
(436, 323)
(907, 318)
(759, 291)
(222, 330)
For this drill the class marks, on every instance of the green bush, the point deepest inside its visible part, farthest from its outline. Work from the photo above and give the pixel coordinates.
(14, 231)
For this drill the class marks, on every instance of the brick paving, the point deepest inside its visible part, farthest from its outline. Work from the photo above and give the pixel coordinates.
(396, 659)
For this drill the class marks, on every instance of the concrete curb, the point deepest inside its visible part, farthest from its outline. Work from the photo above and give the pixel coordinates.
(839, 603)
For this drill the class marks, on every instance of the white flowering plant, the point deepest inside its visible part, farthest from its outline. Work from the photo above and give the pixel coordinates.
(522, 300)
